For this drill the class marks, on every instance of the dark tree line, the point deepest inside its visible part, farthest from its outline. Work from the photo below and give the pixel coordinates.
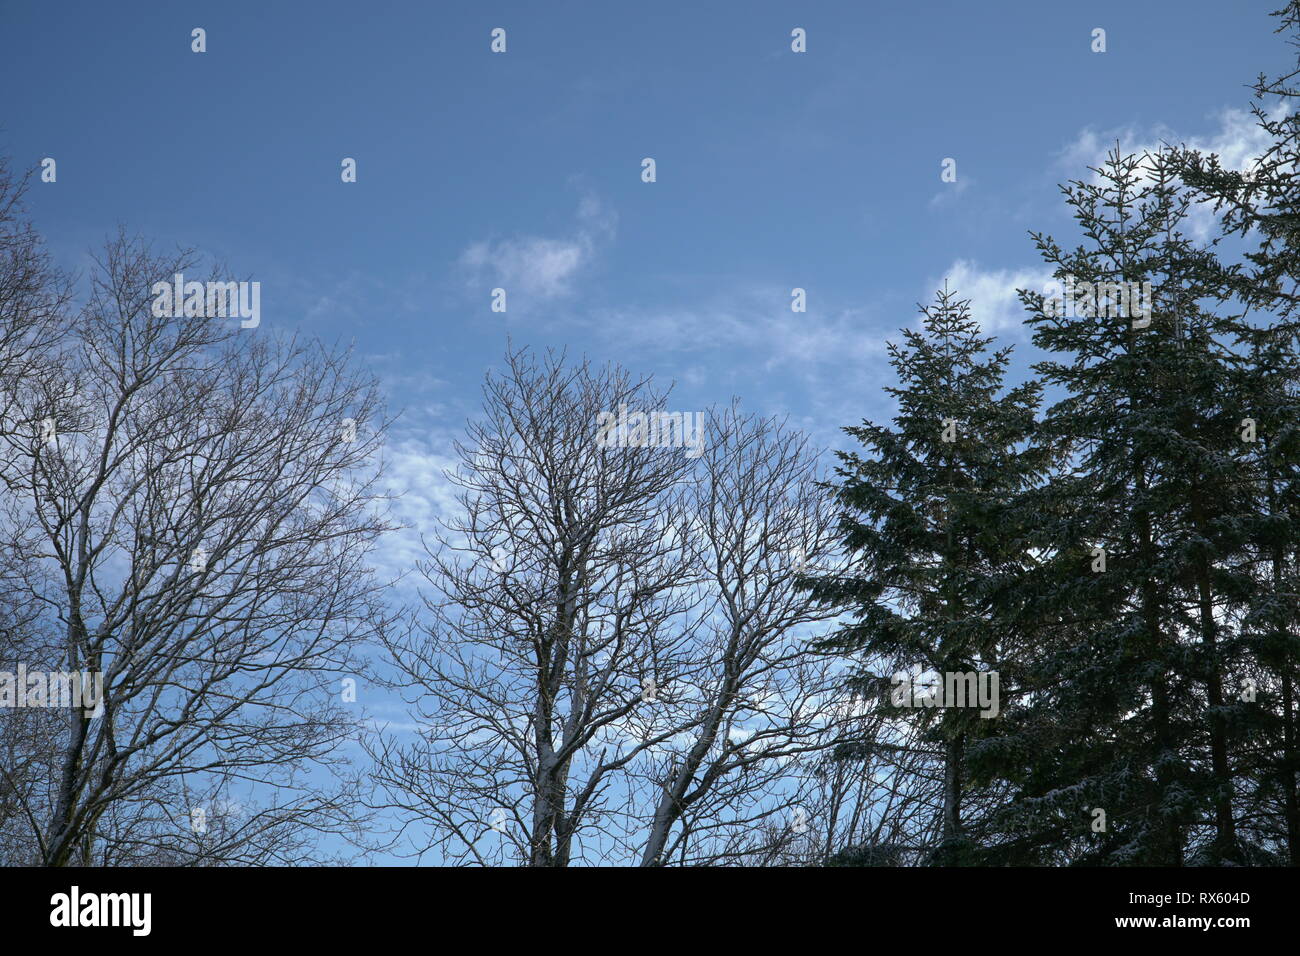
(1128, 560)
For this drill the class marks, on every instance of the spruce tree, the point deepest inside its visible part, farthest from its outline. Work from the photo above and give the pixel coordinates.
(1260, 206)
(928, 524)
(1120, 749)
(1269, 386)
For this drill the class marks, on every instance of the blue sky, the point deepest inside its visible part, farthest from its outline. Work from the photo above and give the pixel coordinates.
(776, 170)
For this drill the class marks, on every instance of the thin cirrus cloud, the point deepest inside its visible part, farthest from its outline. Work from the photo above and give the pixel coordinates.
(948, 195)
(754, 320)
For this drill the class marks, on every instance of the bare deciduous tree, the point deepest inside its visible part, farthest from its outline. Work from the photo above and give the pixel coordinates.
(186, 510)
(614, 666)
(557, 598)
(33, 293)
(760, 700)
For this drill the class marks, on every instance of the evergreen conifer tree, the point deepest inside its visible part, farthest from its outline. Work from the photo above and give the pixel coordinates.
(928, 523)
(1120, 749)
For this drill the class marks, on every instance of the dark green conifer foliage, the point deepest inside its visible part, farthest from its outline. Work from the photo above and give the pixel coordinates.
(1142, 539)
(928, 522)
(1269, 387)
(1261, 208)
(1262, 204)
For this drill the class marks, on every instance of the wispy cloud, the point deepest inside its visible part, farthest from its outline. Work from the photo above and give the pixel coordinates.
(415, 473)
(541, 267)
(949, 193)
(754, 319)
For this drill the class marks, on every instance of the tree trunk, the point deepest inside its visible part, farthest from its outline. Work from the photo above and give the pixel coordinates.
(952, 787)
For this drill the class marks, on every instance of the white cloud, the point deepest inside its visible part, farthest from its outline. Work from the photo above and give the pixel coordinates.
(992, 293)
(949, 193)
(414, 473)
(756, 319)
(539, 266)
(1237, 141)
